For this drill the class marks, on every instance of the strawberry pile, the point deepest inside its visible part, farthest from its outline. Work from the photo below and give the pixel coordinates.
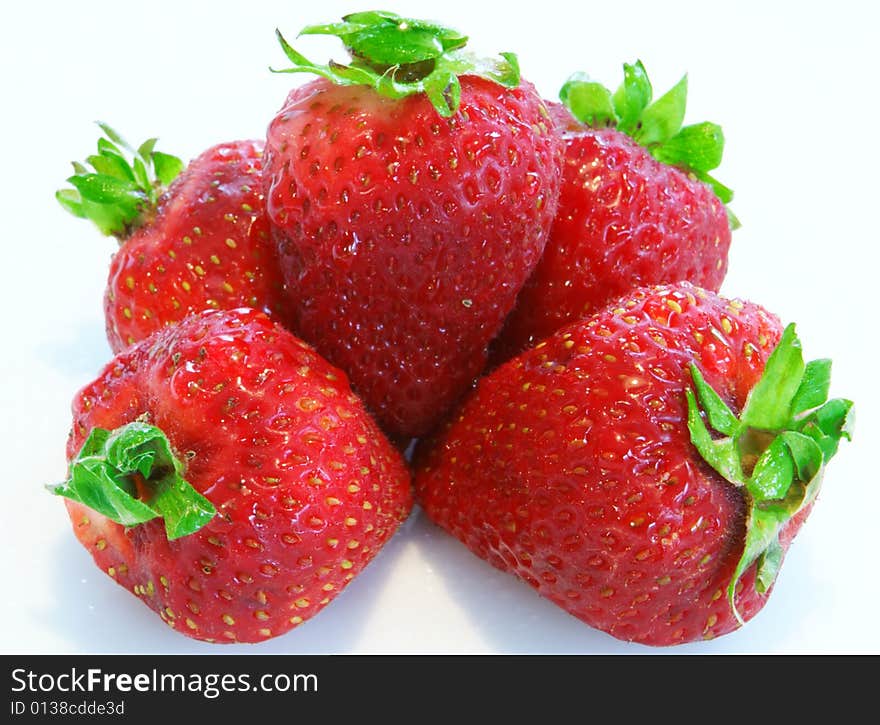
(424, 253)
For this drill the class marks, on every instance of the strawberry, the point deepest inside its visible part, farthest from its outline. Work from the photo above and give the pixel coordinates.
(637, 205)
(645, 469)
(410, 193)
(188, 242)
(225, 474)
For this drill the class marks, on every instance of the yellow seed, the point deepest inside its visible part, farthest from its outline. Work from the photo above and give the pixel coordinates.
(127, 313)
(111, 571)
(308, 404)
(100, 544)
(129, 282)
(199, 271)
(295, 620)
(215, 259)
(346, 564)
(228, 619)
(191, 624)
(261, 615)
(186, 286)
(673, 305)
(228, 287)
(170, 612)
(350, 521)
(725, 323)
(302, 603)
(231, 243)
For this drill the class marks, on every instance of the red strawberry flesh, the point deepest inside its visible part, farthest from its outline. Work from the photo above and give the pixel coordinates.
(307, 490)
(404, 237)
(624, 220)
(572, 467)
(207, 246)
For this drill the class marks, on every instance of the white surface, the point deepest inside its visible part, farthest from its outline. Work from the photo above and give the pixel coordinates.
(793, 85)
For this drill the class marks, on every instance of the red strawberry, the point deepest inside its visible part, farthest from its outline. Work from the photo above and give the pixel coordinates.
(203, 243)
(410, 193)
(275, 486)
(585, 466)
(637, 206)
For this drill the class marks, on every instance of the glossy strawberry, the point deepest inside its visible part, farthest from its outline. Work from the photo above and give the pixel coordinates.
(586, 466)
(637, 206)
(409, 205)
(189, 242)
(225, 474)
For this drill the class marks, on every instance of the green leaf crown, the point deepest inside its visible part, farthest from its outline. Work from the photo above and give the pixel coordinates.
(398, 57)
(775, 451)
(107, 471)
(123, 187)
(654, 124)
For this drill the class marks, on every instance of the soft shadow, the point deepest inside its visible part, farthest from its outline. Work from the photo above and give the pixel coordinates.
(97, 616)
(514, 619)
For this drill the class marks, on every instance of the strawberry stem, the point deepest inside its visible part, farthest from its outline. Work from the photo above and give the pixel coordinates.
(131, 476)
(398, 57)
(775, 451)
(122, 190)
(656, 125)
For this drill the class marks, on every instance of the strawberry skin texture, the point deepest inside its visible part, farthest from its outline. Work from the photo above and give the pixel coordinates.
(306, 487)
(624, 220)
(208, 246)
(404, 237)
(571, 467)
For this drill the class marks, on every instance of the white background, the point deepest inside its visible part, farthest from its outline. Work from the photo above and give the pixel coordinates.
(794, 86)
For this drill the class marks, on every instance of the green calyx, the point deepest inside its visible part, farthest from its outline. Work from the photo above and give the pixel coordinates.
(654, 124)
(775, 451)
(131, 476)
(398, 57)
(120, 190)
